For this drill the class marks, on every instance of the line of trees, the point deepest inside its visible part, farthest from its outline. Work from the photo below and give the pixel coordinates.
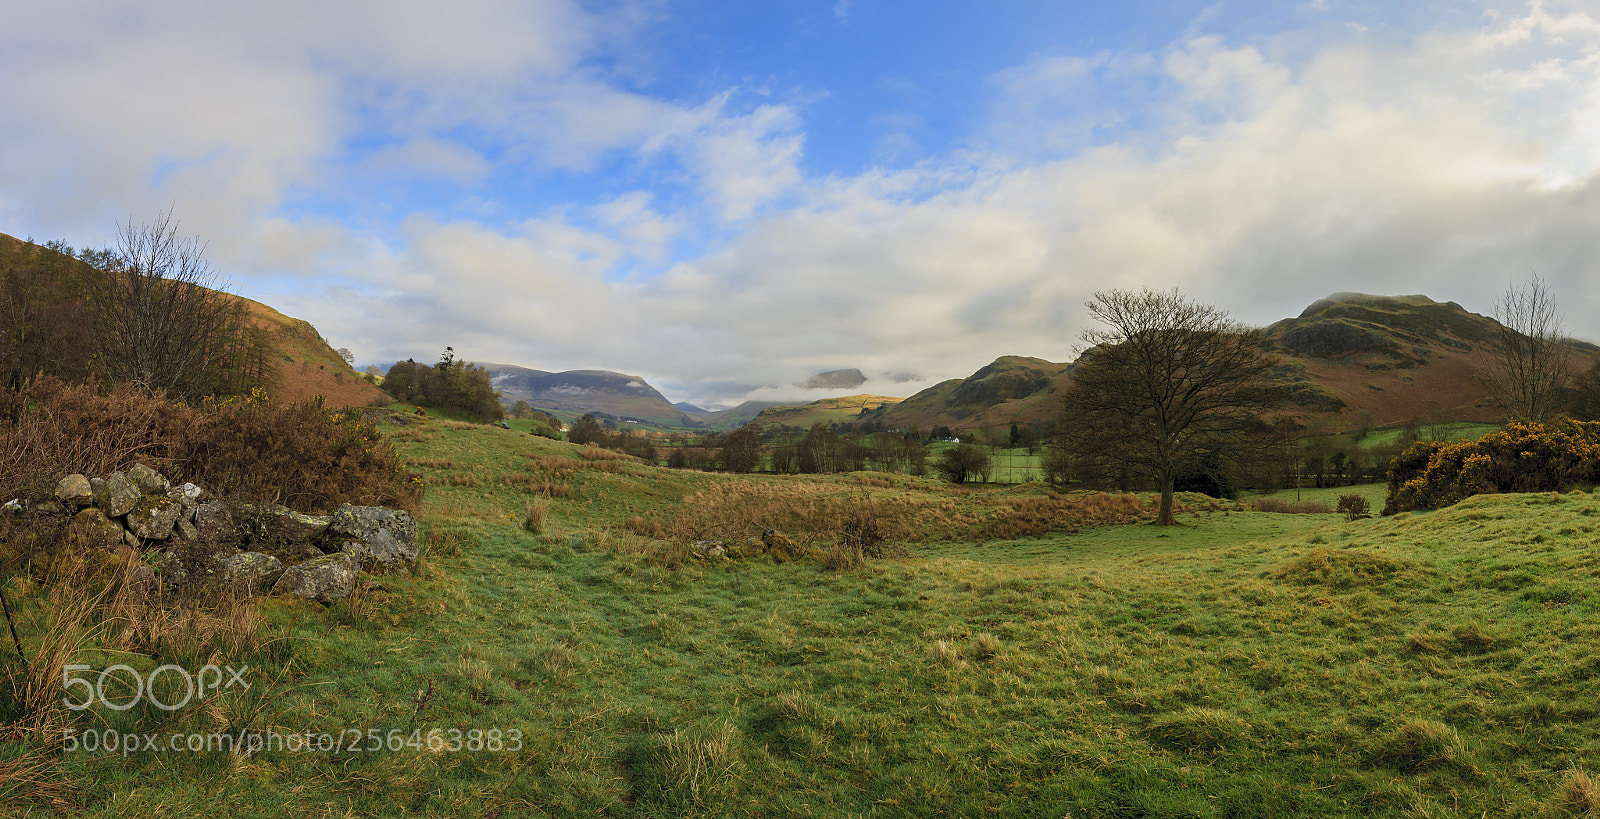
(148, 312)
(455, 386)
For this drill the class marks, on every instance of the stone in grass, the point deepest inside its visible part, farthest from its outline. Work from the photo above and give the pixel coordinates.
(91, 529)
(75, 491)
(255, 572)
(327, 579)
(383, 539)
(149, 481)
(121, 495)
(153, 516)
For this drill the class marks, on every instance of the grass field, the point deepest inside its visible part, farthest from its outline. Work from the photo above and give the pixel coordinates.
(1241, 664)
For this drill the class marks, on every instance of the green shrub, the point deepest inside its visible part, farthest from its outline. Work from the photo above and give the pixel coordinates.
(1354, 507)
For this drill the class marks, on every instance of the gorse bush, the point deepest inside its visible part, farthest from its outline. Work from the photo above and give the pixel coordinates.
(1526, 456)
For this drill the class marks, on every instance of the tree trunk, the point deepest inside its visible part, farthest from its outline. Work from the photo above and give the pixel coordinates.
(1164, 516)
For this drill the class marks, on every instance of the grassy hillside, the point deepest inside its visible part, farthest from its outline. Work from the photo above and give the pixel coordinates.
(846, 409)
(1244, 664)
(49, 287)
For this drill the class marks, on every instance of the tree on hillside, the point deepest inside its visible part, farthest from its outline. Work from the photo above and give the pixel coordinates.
(817, 452)
(1532, 360)
(43, 327)
(741, 451)
(159, 320)
(965, 462)
(456, 386)
(1167, 385)
(586, 430)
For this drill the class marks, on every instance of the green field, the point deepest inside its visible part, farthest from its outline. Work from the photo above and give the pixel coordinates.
(1242, 664)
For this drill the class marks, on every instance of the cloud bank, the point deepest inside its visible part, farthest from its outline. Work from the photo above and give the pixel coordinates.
(507, 180)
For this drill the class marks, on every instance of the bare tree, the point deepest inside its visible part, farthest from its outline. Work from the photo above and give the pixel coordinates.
(159, 320)
(741, 452)
(1532, 359)
(1170, 385)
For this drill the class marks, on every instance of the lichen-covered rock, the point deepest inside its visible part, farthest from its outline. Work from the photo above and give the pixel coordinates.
(213, 523)
(383, 539)
(91, 529)
(121, 494)
(326, 579)
(153, 516)
(183, 529)
(277, 528)
(188, 496)
(74, 490)
(149, 481)
(254, 572)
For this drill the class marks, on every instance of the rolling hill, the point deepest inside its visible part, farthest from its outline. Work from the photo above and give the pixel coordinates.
(844, 409)
(1352, 358)
(47, 289)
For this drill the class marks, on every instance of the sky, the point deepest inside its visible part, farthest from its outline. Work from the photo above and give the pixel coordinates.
(727, 197)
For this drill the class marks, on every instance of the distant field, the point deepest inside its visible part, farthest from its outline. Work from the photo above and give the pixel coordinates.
(1241, 664)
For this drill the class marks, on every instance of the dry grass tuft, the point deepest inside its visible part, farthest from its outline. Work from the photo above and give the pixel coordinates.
(685, 767)
(984, 647)
(810, 514)
(533, 514)
(551, 489)
(1577, 795)
(1027, 517)
(1199, 730)
(1343, 568)
(595, 453)
(1281, 506)
(1421, 744)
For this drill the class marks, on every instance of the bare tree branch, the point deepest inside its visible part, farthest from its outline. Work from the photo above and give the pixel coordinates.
(1532, 359)
(160, 322)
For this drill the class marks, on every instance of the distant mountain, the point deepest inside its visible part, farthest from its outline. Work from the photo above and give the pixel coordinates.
(834, 380)
(1349, 357)
(1010, 389)
(1394, 358)
(733, 418)
(624, 396)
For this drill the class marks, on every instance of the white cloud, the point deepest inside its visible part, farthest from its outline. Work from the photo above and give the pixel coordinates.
(1250, 174)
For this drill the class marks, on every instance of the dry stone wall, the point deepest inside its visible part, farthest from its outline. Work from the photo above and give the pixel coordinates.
(183, 531)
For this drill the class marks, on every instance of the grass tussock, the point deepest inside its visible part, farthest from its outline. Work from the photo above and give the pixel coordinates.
(533, 514)
(814, 518)
(1288, 507)
(1344, 568)
(688, 768)
(594, 453)
(1420, 744)
(1031, 517)
(1199, 730)
(1578, 795)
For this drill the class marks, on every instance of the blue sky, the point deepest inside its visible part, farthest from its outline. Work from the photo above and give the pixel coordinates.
(727, 197)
